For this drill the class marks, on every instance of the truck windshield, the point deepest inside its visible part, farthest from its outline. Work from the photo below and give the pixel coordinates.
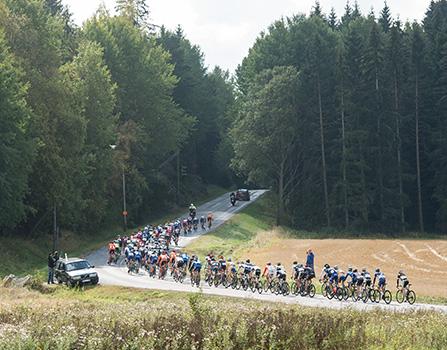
(77, 265)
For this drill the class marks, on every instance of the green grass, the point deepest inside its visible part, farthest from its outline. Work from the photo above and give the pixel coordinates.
(120, 318)
(238, 232)
(29, 256)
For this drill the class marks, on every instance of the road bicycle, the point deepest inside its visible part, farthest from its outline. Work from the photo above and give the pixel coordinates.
(406, 294)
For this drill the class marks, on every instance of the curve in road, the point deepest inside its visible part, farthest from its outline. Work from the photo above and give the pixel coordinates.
(223, 211)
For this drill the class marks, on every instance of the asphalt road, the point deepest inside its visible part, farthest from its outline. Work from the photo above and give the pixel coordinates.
(223, 211)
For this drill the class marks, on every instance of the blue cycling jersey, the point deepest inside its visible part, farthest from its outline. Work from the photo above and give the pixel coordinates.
(197, 265)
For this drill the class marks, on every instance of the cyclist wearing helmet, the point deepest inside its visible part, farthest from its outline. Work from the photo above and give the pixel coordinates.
(203, 222)
(402, 280)
(333, 278)
(280, 272)
(325, 273)
(192, 210)
(367, 276)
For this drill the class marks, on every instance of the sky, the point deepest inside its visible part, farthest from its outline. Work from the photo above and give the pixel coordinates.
(226, 29)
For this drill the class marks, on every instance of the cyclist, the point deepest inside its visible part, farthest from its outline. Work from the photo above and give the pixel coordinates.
(195, 223)
(232, 199)
(203, 222)
(138, 257)
(153, 257)
(222, 264)
(367, 277)
(162, 263)
(185, 226)
(196, 266)
(280, 272)
(325, 273)
(209, 219)
(185, 258)
(295, 271)
(130, 260)
(342, 278)
(231, 267)
(381, 280)
(333, 278)
(402, 280)
(112, 249)
(192, 210)
(269, 271)
(350, 274)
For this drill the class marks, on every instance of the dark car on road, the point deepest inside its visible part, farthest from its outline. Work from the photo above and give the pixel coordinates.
(243, 195)
(75, 271)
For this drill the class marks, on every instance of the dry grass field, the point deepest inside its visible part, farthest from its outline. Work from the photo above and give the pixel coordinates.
(424, 261)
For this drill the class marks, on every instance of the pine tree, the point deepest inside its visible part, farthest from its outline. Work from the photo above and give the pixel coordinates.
(417, 51)
(356, 11)
(316, 10)
(385, 19)
(395, 60)
(137, 11)
(347, 17)
(332, 20)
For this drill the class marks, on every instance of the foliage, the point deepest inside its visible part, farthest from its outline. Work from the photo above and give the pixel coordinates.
(370, 105)
(111, 82)
(94, 319)
(16, 147)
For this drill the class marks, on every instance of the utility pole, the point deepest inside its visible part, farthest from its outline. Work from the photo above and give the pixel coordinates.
(54, 227)
(124, 202)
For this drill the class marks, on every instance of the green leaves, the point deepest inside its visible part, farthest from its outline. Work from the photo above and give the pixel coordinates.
(16, 146)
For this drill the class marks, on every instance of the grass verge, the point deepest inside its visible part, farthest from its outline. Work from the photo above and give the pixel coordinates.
(119, 318)
(29, 256)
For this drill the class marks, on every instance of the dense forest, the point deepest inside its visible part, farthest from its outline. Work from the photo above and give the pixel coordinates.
(67, 94)
(345, 119)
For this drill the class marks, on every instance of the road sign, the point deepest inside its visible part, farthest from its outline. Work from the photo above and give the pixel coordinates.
(125, 213)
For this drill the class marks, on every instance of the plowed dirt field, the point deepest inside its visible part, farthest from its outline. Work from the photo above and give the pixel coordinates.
(424, 261)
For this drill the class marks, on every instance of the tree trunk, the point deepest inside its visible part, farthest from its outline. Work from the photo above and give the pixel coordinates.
(380, 155)
(280, 204)
(323, 154)
(418, 162)
(343, 138)
(399, 157)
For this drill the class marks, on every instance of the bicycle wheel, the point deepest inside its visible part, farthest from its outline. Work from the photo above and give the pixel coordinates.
(329, 292)
(304, 290)
(323, 290)
(339, 293)
(374, 295)
(260, 288)
(266, 285)
(293, 288)
(311, 290)
(244, 284)
(210, 280)
(346, 293)
(355, 295)
(400, 296)
(387, 297)
(285, 288)
(181, 277)
(411, 297)
(365, 296)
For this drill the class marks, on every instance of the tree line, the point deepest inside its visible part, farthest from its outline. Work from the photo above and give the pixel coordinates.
(68, 93)
(346, 119)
